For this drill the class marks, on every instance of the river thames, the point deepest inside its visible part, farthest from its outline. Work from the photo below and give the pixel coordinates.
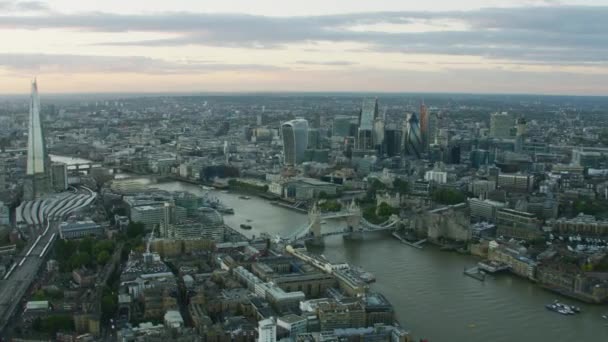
(430, 294)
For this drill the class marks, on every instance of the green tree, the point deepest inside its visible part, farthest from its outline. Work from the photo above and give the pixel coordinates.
(86, 245)
(385, 210)
(103, 257)
(135, 229)
(401, 186)
(448, 196)
(109, 304)
(79, 259)
(103, 245)
(331, 205)
(53, 324)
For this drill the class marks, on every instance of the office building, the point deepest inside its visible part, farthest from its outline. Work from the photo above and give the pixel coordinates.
(516, 182)
(517, 224)
(79, 229)
(367, 118)
(4, 215)
(424, 124)
(342, 126)
(314, 139)
(157, 214)
(412, 145)
(501, 125)
(295, 141)
(439, 177)
(481, 187)
(392, 140)
(336, 315)
(379, 135)
(588, 159)
(2, 173)
(294, 324)
(479, 158)
(583, 225)
(207, 224)
(37, 182)
(267, 330)
(484, 210)
(432, 128)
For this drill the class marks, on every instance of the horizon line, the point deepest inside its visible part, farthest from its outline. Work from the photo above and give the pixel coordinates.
(279, 92)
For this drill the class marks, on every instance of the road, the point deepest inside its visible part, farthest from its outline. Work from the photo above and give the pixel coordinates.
(14, 288)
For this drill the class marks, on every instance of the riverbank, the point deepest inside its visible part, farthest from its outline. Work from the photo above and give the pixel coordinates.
(428, 286)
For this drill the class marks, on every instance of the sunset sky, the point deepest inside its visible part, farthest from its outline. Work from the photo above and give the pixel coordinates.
(489, 46)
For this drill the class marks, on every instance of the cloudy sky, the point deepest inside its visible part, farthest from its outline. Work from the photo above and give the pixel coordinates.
(486, 46)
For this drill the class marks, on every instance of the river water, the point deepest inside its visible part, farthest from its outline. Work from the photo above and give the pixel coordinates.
(430, 294)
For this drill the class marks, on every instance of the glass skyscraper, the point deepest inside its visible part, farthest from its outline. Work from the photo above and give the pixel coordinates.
(37, 182)
(295, 140)
(367, 118)
(412, 141)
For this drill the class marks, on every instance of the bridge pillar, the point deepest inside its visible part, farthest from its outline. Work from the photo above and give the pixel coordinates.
(314, 218)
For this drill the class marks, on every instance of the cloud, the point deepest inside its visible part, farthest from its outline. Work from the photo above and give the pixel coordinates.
(55, 63)
(328, 63)
(23, 6)
(547, 34)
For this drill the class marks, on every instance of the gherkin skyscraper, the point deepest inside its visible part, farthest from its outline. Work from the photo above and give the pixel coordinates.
(37, 182)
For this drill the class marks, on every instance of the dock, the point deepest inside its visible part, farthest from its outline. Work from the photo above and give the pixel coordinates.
(475, 273)
(417, 244)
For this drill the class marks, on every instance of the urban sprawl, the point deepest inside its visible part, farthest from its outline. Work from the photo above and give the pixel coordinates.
(93, 250)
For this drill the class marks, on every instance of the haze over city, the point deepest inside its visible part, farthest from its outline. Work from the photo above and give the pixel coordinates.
(303, 171)
(546, 47)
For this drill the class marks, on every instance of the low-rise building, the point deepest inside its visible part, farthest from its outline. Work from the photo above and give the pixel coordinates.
(517, 224)
(79, 229)
(484, 210)
(584, 225)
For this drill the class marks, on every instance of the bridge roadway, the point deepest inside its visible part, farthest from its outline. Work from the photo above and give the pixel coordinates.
(16, 285)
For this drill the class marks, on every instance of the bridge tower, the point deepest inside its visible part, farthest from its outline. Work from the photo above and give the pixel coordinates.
(353, 220)
(314, 219)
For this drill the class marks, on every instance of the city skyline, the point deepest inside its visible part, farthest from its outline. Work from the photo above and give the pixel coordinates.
(355, 46)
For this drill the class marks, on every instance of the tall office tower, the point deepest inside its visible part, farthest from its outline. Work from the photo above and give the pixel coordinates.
(341, 127)
(316, 122)
(2, 173)
(392, 140)
(432, 125)
(314, 138)
(367, 117)
(378, 135)
(412, 144)
(424, 125)
(37, 181)
(295, 140)
(501, 125)
(521, 126)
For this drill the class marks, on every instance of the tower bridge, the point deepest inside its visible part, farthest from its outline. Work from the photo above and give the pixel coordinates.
(357, 226)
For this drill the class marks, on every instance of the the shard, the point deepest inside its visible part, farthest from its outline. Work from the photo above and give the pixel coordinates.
(37, 174)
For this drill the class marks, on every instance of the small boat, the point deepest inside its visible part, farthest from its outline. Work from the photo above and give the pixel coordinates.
(605, 316)
(563, 309)
(245, 226)
(244, 197)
